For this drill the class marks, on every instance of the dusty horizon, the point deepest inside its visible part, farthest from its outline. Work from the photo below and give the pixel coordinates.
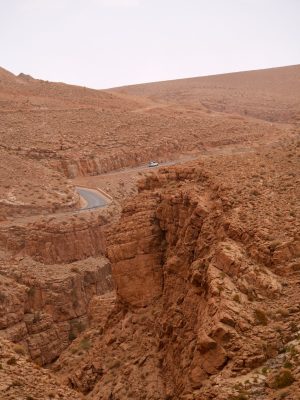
(162, 81)
(108, 44)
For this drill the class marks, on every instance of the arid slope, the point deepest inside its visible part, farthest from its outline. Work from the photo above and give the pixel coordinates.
(270, 94)
(53, 127)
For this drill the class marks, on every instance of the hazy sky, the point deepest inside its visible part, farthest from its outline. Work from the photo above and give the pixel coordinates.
(106, 43)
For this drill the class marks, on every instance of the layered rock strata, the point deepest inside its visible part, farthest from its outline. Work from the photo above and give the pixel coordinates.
(44, 308)
(205, 275)
(21, 379)
(56, 239)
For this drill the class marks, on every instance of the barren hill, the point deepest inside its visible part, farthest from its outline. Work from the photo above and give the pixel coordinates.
(25, 92)
(271, 94)
(78, 131)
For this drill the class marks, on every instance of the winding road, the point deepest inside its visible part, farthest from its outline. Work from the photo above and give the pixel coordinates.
(92, 198)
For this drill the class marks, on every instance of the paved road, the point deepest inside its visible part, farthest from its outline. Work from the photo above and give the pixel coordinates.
(93, 199)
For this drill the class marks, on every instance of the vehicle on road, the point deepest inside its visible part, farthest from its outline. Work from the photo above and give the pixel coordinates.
(153, 164)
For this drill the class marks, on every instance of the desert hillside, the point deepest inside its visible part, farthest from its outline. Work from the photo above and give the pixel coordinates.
(123, 281)
(52, 127)
(270, 94)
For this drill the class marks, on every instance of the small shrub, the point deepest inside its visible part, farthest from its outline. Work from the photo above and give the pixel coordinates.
(16, 383)
(269, 349)
(264, 370)
(236, 298)
(74, 350)
(240, 396)
(274, 244)
(85, 344)
(294, 327)
(19, 349)
(255, 192)
(296, 267)
(260, 317)
(76, 328)
(288, 365)
(31, 291)
(12, 361)
(292, 350)
(283, 379)
(72, 336)
(283, 395)
(278, 328)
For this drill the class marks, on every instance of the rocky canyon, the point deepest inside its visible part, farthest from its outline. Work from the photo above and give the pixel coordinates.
(185, 283)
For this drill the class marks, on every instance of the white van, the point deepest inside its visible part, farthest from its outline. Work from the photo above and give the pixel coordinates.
(153, 164)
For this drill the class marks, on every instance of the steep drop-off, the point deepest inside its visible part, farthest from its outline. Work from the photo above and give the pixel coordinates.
(206, 277)
(44, 308)
(62, 238)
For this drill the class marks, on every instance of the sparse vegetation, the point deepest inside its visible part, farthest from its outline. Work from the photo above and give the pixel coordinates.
(283, 395)
(85, 344)
(260, 317)
(76, 328)
(12, 361)
(264, 370)
(240, 396)
(236, 298)
(288, 365)
(19, 349)
(294, 327)
(292, 350)
(274, 244)
(31, 291)
(283, 379)
(219, 211)
(72, 336)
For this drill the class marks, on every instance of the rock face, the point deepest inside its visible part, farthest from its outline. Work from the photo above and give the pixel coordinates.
(45, 294)
(140, 242)
(199, 270)
(45, 308)
(177, 249)
(20, 379)
(56, 239)
(72, 167)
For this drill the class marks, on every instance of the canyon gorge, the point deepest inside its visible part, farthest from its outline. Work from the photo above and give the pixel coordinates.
(185, 285)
